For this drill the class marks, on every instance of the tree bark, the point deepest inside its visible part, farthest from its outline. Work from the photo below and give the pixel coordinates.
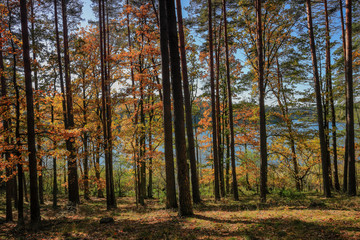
(325, 168)
(331, 97)
(189, 120)
(171, 201)
(85, 144)
(263, 146)
(231, 115)
(34, 198)
(9, 215)
(73, 184)
(346, 155)
(350, 101)
(185, 206)
(213, 106)
(36, 80)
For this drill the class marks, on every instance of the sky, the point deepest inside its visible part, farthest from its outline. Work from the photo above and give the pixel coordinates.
(88, 13)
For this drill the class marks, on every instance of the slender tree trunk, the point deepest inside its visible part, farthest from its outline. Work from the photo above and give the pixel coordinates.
(9, 215)
(346, 155)
(20, 203)
(86, 151)
(227, 168)
(142, 172)
(55, 187)
(33, 43)
(350, 101)
(218, 118)
(72, 165)
(231, 116)
(25, 188)
(112, 198)
(100, 193)
(217, 106)
(150, 186)
(20, 174)
(281, 96)
(34, 198)
(185, 206)
(263, 147)
(135, 154)
(189, 120)
(106, 110)
(213, 106)
(171, 201)
(332, 105)
(325, 168)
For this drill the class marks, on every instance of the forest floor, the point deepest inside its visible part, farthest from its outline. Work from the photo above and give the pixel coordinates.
(302, 216)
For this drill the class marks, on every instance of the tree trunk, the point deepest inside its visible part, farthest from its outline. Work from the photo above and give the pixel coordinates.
(350, 101)
(150, 186)
(55, 187)
(106, 110)
(346, 157)
(73, 184)
(9, 215)
(213, 106)
(263, 147)
(231, 116)
(85, 143)
(20, 204)
(325, 167)
(34, 198)
(332, 105)
(33, 43)
(185, 206)
(189, 120)
(171, 201)
(100, 193)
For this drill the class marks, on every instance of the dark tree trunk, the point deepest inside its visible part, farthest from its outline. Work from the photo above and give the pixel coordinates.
(20, 203)
(106, 110)
(325, 167)
(150, 186)
(25, 188)
(218, 116)
(86, 151)
(185, 206)
(189, 120)
(9, 215)
(263, 147)
(36, 80)
(171, 201)
(213, 106)
(73, 184)
(55, 187)
(100, 193)
(346, 155)
(111, 200)
(231, 116)
(331, 97)
(135, 154)
(350, 101)
(227, 168)
(34, 198)
(20, 174)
